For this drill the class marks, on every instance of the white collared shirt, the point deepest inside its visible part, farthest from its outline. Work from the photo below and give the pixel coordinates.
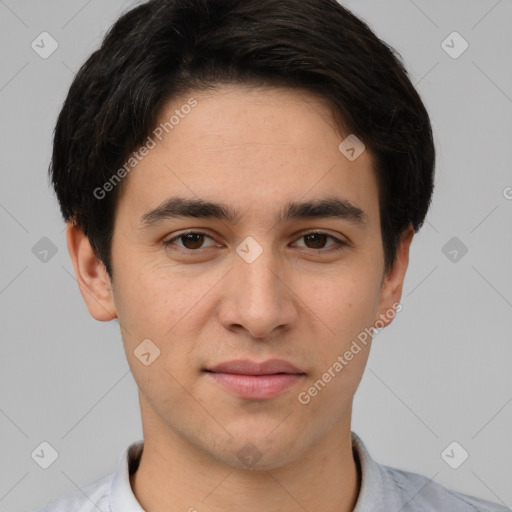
(383, 489)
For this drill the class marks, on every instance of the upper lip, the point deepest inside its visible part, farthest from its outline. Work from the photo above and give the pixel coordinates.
(248, 367)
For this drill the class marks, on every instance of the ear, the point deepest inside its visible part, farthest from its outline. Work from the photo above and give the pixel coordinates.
(391, 288)
(91, 275)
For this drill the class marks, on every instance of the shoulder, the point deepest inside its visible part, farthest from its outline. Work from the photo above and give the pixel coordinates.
(111, 492)
(384, 489)
(89, 499)
(419, 493)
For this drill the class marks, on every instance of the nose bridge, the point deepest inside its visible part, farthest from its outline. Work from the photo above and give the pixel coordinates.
(260, 300)
(255, 269)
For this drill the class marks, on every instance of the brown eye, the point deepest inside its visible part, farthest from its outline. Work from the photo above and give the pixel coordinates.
(189, 241)
(192, 240)
(317, 240)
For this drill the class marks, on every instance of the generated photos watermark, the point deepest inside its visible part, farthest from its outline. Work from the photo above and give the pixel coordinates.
(304, 397)
(137, 156)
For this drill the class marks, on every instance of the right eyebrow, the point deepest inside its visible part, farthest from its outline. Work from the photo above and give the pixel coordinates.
(176, 207)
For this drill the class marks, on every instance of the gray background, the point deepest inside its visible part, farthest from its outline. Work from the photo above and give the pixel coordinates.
(440, 373)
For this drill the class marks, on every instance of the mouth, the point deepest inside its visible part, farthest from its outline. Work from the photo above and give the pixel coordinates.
(255, 381)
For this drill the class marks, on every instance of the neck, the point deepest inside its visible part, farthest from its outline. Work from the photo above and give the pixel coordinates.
(174, 476)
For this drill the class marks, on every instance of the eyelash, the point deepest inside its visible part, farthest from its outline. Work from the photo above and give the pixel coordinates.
(340, 244)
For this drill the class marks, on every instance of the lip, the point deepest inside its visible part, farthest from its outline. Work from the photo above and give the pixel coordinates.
(255, 381)
(248, 367)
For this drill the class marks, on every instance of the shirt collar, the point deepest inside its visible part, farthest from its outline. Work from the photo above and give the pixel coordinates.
(372, 497)
(122, 498)
(372, 494)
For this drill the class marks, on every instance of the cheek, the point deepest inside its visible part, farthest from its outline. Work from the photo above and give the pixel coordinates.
(343, 305)
(151, 301)
(346, 307)
(149, 308)
(168, 309)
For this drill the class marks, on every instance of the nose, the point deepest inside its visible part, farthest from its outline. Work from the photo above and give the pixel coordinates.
(258, 296)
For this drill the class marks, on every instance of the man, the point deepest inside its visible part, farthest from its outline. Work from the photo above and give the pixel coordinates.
(242, 181)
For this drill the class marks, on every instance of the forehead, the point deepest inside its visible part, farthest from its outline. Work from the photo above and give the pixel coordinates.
(255, 149)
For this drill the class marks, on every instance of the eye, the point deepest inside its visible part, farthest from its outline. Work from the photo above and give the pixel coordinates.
(317, 240)
(191, 241)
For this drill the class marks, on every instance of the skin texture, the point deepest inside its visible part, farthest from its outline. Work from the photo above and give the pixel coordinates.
(254, 150)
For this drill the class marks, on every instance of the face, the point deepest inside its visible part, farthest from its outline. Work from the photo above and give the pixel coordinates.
(255, 279)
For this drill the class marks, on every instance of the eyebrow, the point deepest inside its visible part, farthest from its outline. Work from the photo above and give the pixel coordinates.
(180, 207)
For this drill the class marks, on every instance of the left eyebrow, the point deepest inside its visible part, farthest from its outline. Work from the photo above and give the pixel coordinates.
(180, 207)
(332, 207)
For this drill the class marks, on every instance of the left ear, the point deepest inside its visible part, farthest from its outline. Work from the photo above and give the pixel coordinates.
(391, 289)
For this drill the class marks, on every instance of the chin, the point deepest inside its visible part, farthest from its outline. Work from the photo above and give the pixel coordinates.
(264, 448)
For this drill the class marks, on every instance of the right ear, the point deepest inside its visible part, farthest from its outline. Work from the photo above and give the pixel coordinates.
(91, 275)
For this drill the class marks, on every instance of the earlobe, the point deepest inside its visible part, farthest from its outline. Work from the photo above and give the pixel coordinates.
(91, 275)
(391, 291)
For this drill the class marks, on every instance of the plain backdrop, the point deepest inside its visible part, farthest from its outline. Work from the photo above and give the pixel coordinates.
(442, 372)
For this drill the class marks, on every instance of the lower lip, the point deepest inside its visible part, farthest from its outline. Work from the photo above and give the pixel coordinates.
(256, 387)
